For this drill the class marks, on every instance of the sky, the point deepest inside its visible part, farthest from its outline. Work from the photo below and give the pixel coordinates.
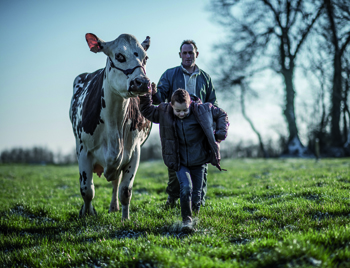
(44, 49)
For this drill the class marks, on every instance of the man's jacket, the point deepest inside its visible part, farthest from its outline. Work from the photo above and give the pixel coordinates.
(173, 79)
(206, 114)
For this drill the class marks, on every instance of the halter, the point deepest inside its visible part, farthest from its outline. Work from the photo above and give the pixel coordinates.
(127, 72)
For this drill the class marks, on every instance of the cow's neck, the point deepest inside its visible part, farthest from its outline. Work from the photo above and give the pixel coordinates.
(116, 108)
(113, 116)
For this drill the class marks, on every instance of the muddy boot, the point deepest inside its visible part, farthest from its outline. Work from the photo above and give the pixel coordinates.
(171, 202)
(186, 213)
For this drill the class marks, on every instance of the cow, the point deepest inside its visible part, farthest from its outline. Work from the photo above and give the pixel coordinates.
(107, 123)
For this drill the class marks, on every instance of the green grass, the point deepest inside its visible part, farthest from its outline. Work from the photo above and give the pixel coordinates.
(260, 213)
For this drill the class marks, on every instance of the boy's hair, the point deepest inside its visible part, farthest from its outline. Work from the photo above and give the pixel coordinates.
(180, 95)
(189, 42)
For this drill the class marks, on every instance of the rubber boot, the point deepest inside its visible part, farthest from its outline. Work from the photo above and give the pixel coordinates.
(186, 213)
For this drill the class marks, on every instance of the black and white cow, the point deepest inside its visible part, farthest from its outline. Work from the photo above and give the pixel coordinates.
(107, 124)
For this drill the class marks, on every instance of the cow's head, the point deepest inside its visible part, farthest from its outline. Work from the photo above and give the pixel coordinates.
(126, 63)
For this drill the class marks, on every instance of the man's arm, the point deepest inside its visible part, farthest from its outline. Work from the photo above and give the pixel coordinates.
(163, 89)
(211, 95)
(147, 109)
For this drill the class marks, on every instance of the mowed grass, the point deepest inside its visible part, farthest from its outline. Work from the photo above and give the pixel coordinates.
(260, 213)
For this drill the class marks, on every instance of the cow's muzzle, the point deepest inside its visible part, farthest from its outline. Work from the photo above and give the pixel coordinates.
(139, 85)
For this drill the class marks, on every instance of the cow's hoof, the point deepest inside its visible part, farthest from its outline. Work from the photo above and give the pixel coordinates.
(84, 212)
(113, 209)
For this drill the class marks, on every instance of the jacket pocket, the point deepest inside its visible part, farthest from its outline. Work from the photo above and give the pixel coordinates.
(169, 147)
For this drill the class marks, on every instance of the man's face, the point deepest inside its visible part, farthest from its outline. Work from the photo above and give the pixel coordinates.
(188, 55)
(181, 110)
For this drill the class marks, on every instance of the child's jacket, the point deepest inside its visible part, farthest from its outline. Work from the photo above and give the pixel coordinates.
(206, 114)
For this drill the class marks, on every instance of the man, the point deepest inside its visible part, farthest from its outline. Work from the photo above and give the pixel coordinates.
(197, 83)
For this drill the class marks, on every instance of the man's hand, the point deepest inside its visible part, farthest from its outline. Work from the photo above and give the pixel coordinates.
(154, 88)
(218, 141)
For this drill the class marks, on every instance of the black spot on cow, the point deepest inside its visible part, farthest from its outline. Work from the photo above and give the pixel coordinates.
(126, 192)
(131, 177)
(101, 121)
(80, 178)
(110, 68)
(92, 104)
(81, 148)
(103, 103)
(84, 177)
(137, 120)
(129, 166)
(136, 54)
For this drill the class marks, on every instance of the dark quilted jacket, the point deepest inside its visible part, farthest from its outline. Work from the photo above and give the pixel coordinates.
(206, 115)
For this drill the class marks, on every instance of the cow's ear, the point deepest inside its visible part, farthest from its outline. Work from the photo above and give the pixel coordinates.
(145, 44)
(95, 44)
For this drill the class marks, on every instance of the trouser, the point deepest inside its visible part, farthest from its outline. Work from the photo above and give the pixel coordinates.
(173, 188)
(191, 182)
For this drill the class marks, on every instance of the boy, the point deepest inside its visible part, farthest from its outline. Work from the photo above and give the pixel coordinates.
(188, 142)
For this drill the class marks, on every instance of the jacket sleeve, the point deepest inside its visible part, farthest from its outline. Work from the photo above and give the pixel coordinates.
(148, 110)
(163, 89)
(211, 95)
(222, 123)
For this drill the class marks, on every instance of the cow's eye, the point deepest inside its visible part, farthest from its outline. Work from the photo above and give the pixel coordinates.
(119, 57)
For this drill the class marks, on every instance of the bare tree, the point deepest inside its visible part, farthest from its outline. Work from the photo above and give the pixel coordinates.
(266, 34)
(244, 86)
(338, 29)
(317, 69)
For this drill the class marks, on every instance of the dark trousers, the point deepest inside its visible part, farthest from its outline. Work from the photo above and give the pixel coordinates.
(191, 181)
(173, 188)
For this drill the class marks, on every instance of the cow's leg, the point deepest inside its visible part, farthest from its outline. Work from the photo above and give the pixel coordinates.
(87, 188)
(125, 188)
(114, 206)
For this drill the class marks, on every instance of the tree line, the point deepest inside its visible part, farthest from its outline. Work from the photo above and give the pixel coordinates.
(37, 155)
(281, 36)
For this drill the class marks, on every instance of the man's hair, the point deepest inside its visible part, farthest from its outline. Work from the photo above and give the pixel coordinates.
(180, 95)
(189, 42)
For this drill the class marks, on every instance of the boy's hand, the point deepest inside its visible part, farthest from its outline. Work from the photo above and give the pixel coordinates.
(154, 88)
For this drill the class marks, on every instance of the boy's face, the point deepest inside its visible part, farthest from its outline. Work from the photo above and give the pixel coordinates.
(181, 110)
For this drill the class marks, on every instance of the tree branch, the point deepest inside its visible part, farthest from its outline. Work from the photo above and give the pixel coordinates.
(292, 21)
(345, 44)
(274, 12)
(306, 32)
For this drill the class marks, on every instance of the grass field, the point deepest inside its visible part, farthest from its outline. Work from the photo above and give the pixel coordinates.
(260, 213)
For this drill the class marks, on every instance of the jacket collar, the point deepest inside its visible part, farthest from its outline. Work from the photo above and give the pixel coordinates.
(196, 70)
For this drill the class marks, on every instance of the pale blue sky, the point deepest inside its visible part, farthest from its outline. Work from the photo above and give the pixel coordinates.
(44, 49)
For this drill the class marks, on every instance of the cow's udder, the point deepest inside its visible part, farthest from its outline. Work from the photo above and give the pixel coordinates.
(98, 169)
